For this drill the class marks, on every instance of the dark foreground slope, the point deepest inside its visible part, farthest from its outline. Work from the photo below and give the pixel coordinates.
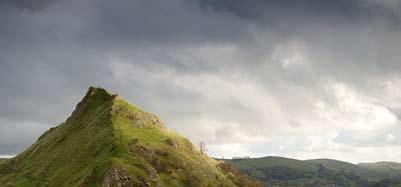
(110, 142)
(319, 172)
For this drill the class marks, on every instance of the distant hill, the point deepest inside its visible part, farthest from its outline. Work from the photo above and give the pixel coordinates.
(336, 165)
(386, 169)
(108, 141)
(318, 172)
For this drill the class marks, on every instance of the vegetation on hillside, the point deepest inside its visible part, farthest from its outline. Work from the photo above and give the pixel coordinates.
(384, 169)
(320, 172)
(110, 142)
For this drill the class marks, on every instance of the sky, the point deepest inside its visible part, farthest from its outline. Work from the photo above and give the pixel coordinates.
(296, 78)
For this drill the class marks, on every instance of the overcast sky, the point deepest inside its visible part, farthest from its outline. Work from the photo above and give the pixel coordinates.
(296, 78)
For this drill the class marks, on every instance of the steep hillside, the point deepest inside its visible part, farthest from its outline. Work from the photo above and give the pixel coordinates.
(110, 142)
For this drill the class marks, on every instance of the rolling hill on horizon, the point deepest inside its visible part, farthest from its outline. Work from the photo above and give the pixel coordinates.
(108, 142)
(283, 171)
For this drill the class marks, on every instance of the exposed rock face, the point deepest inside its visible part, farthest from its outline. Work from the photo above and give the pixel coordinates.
(118, 177)
(140, 120)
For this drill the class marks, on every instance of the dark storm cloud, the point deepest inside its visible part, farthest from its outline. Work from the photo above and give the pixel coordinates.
(29, 4)
(290, 12)
(204, 66)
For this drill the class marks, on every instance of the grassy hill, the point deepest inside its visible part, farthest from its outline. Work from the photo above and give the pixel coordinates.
(109, 142)
(270, 167)
(336, 165)
(386, 169)
(318, 172)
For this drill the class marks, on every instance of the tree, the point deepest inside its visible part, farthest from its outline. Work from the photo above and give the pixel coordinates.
(202, 147)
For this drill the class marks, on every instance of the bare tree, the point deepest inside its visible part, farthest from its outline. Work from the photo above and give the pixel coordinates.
(202, 147)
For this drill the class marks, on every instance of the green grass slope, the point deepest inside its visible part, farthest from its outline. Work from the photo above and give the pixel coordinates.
(110, 142)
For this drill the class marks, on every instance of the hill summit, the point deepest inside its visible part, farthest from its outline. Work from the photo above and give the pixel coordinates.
(108, 141)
